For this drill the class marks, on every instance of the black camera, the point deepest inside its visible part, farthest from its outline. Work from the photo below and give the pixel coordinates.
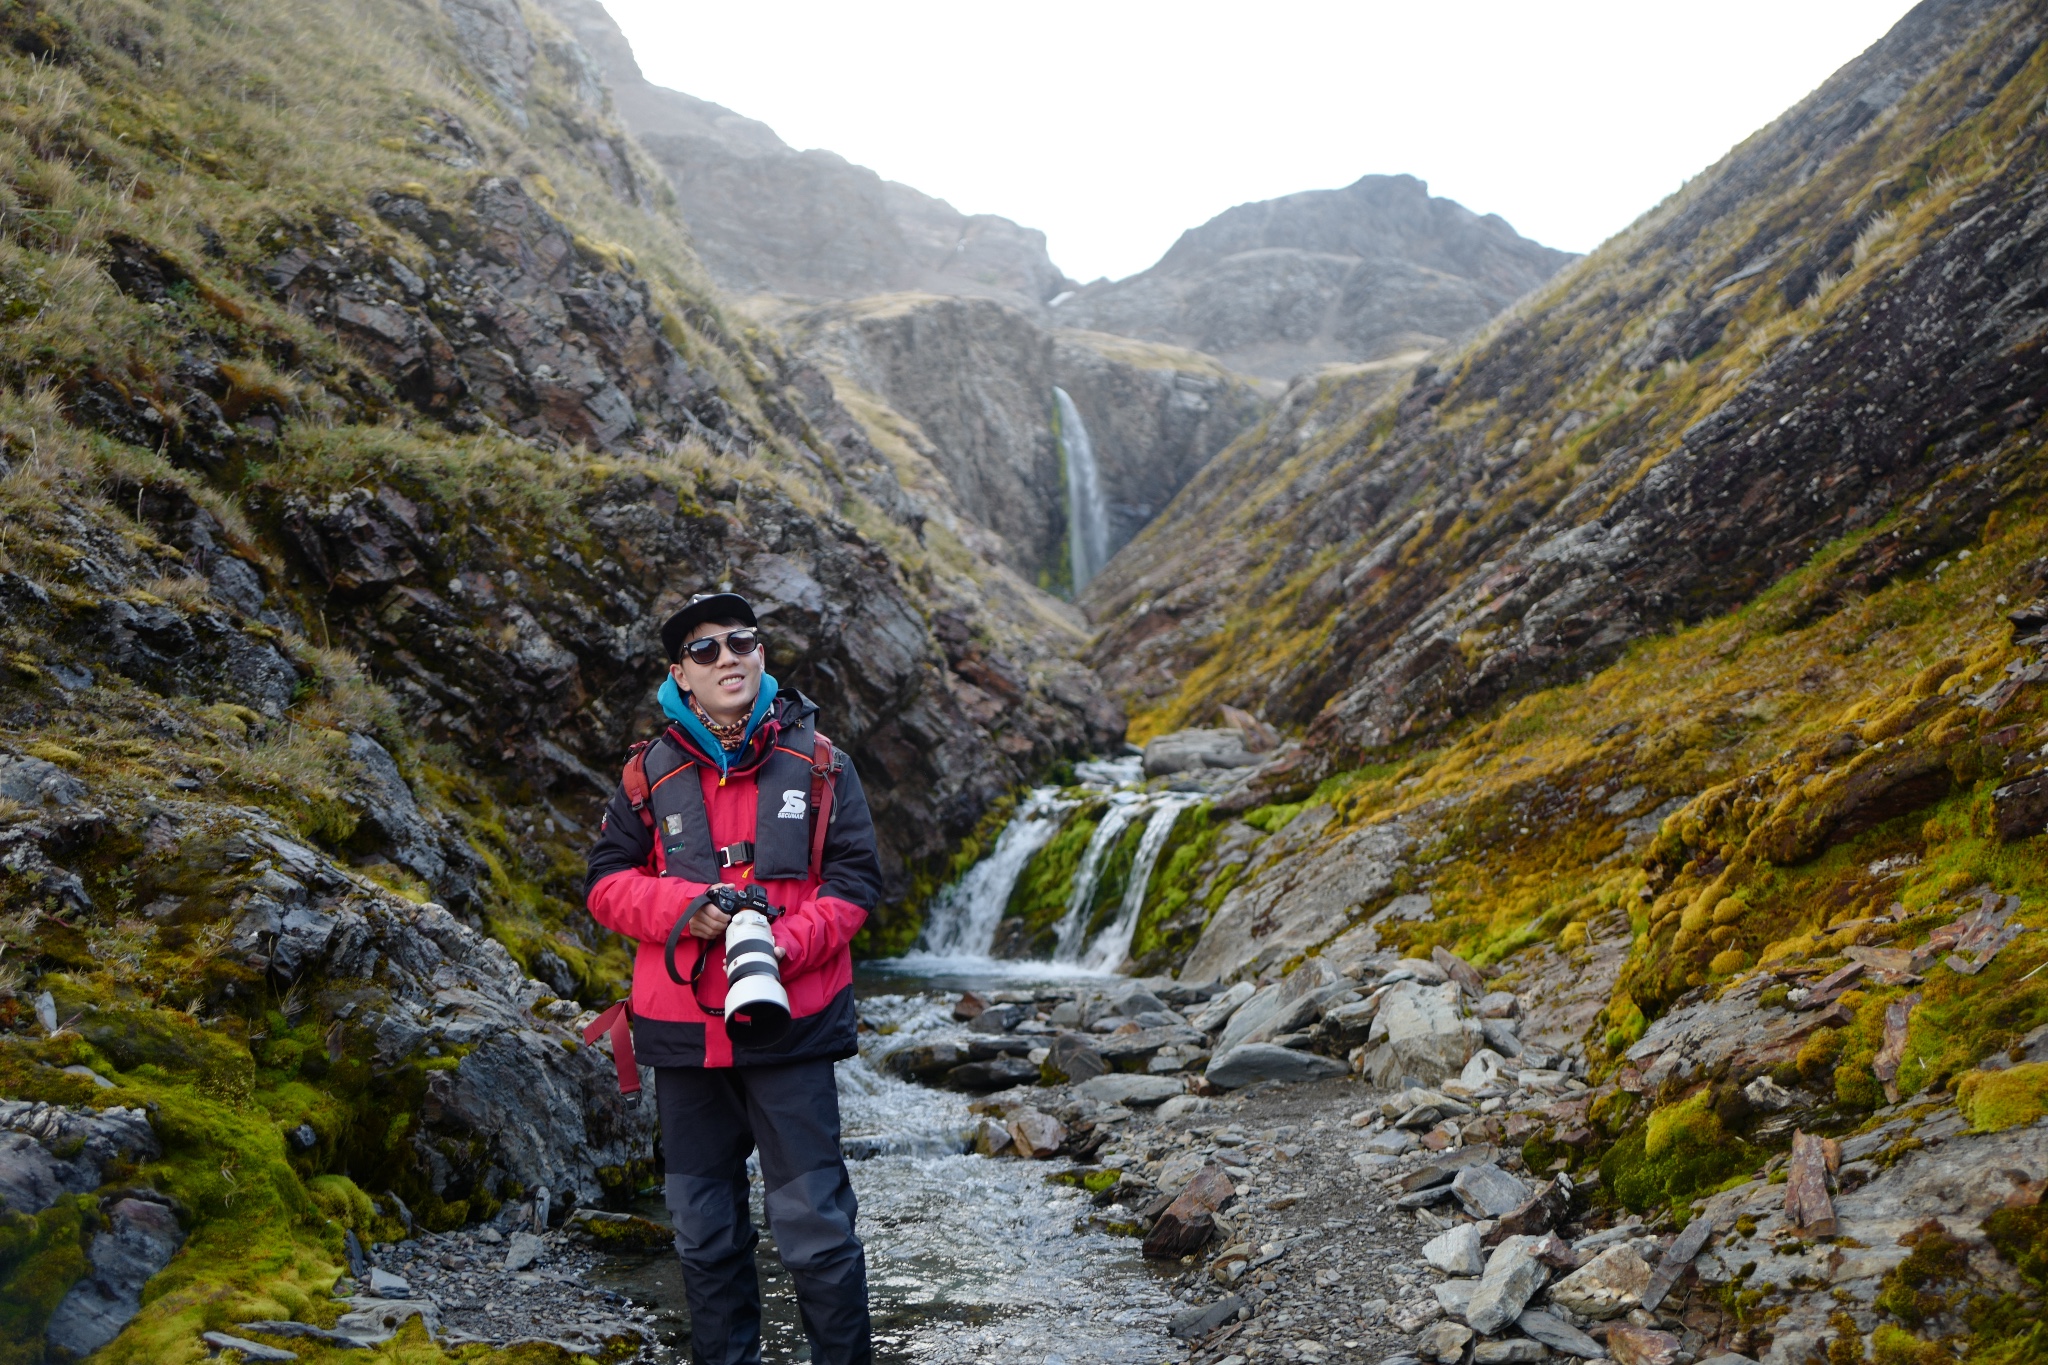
(730, 900)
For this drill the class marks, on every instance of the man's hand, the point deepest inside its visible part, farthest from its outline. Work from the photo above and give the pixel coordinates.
(709, 923)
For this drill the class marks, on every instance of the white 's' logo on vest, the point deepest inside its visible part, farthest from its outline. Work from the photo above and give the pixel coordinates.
(792, 806)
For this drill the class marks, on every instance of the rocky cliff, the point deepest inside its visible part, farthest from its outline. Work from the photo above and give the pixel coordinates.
(1284, 286)
(765, 217)
(348, 461)
(971, 382)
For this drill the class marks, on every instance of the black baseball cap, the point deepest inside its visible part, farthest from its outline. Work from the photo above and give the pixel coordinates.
(705, 606)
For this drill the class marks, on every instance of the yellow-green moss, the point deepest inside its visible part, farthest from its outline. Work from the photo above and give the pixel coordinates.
(1996, 1100)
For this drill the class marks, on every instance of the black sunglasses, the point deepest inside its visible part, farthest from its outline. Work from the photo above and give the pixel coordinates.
(704, 652)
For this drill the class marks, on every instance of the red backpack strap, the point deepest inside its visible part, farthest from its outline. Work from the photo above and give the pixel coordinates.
(825, 765)
(634, 780)
(618, 1022)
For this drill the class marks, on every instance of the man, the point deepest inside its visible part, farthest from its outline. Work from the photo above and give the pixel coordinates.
(729, 789)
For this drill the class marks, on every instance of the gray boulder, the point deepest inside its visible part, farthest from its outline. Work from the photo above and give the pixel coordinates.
(1195, 750)
(1421, 1034)
(1243, 1065)
(1285, 1006)
(1137, 1092)
(1487, 1191)
(1513, 1275)
(48, 1150)
(35, 783)
(140, 1239)
(1217, 1012)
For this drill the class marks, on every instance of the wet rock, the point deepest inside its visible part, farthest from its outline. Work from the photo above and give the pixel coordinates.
(968, 1007)
(1509, 1351)
(1558, 1335)
(1421, 1036)
(1629, 1344)
(1445, 1341)
(250, 1350)
(1456, 1252)
(997, 1073)
(1138, 1092)
(1605, 1287)
(1487, 1191)
(1189, 1221)
(1213, 1015)
(925, 1061)
(1036, 1135)
(1513, 1275)
(140, 1239)
(998, 1019)
(1074, 1056)
(1241, 1066)
(990, 1138)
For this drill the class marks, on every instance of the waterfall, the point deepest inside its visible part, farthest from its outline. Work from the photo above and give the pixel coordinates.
(1107, 952)
(1087, 512)
(1073, 925)
(963, 918)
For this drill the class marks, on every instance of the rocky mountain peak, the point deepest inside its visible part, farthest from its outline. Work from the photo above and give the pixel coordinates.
(1282, 286)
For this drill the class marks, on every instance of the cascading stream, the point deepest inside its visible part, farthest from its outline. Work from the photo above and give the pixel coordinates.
(964, 916)
(1110, 947)
(1073, 926)
(1087, 509)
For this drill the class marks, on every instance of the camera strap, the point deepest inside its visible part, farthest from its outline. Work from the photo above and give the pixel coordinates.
(668, 957)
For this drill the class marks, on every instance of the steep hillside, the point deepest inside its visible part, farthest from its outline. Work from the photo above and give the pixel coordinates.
(1818, 333)
(1284, 286)
(1675, 655)
(362, 411)
(767, 218)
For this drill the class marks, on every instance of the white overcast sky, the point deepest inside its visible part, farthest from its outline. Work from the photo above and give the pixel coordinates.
(1115, 124)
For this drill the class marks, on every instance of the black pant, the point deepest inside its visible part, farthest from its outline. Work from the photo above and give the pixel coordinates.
(710, 1120)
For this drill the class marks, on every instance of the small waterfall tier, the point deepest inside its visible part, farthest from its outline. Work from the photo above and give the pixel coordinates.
(965, 918)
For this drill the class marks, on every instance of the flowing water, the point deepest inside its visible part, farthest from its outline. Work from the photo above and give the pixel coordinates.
(1087, 509)
(968, 1259)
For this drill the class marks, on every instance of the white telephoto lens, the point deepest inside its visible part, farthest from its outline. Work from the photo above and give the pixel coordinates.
(756, 1006)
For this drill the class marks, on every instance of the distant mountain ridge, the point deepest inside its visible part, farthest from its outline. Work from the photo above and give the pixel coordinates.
(1282, 286)
(766, 218)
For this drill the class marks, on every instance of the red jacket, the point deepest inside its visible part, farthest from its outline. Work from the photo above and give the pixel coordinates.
(628, 892)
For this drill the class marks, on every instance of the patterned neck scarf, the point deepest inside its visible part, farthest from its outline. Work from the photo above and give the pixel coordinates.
(728, 736)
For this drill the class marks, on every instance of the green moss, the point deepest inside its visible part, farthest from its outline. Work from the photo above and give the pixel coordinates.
(1272, 819)
(1167, 930)
(1996, 1100)
(1047, 881)
(41, 1257)
(1680, 1152)
(1924, 1285)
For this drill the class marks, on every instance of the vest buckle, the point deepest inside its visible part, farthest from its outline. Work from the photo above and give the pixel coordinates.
(736, 855)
